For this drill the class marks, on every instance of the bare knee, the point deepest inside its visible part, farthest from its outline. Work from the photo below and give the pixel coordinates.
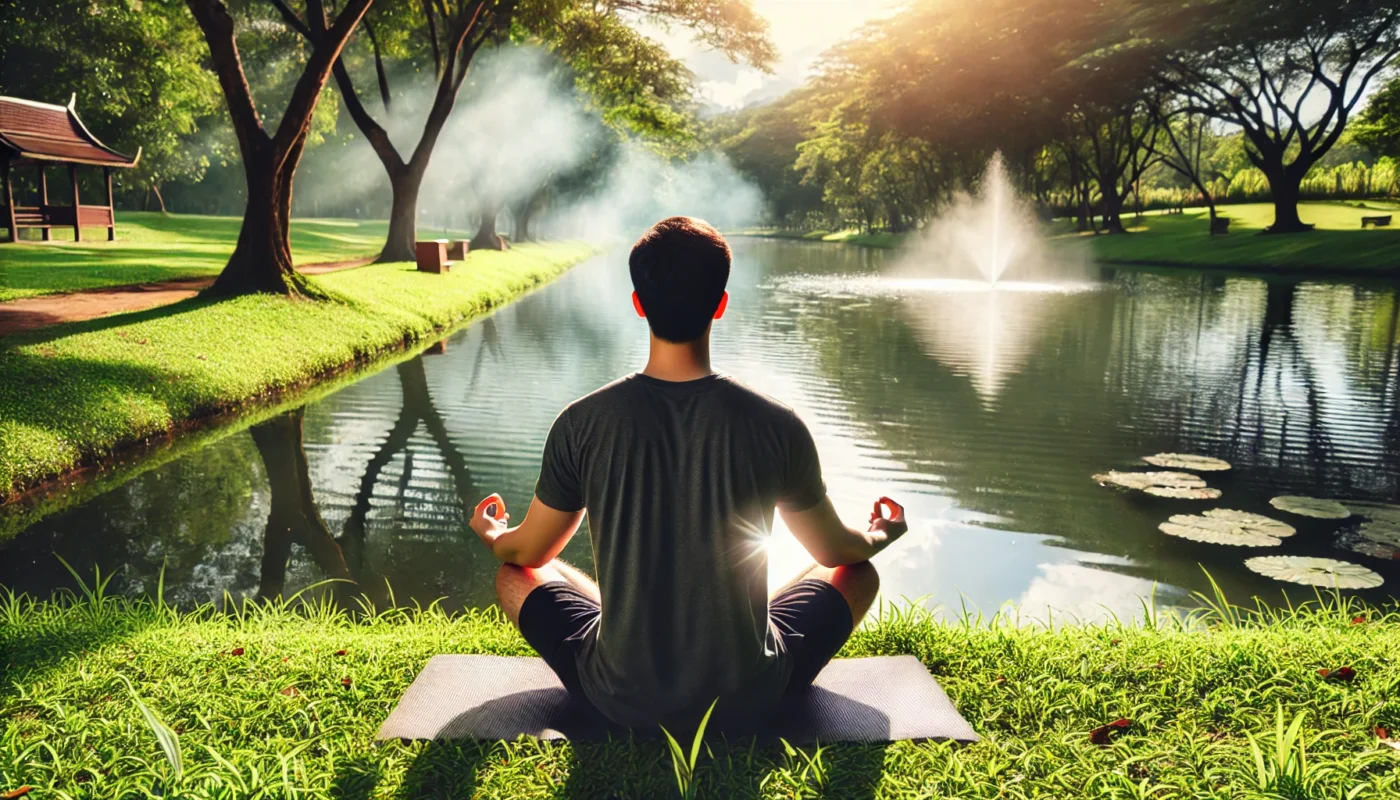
(513, 585)
(859, 584)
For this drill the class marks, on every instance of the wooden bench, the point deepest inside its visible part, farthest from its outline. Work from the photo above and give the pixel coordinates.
(1219, 226)
(457, 249)
(431, 255)
(1379, 221)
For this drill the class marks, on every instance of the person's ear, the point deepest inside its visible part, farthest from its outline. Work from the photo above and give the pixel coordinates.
(637, 304)
(723, 304)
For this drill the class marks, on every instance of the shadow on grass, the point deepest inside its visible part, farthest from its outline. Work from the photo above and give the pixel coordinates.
(98, 324)
(442, 770)
(626, 768)
(31, 651)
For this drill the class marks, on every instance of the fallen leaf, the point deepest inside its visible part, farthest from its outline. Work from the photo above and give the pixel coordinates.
(1382, 733)
(1339, 674)
(291, 691)
(1100, 735)
(340, 652)
(237, 651)
(13, 793)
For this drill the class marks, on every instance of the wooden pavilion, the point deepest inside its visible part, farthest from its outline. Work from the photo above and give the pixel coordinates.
(43, 135)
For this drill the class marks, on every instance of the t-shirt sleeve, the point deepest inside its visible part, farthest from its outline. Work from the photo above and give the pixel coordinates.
(803, 486)
(559, 486)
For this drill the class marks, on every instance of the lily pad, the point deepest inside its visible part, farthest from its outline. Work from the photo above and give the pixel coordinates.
(1228, 526)
(1180, 485)
(1311, 507)
(1381, 522)
(1187, 461)
(1356, 543)
(1327, 572)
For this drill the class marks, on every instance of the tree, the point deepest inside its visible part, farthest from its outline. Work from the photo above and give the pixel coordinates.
(1181, 146)
(456, 31)
(1378, 126)
(1121, 141)
(1259, 65)
(262, 259)
(143, 87)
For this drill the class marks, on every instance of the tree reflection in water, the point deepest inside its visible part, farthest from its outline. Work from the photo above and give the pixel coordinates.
(292, 517)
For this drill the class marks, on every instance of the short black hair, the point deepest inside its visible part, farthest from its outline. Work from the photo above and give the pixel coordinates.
(679, 269)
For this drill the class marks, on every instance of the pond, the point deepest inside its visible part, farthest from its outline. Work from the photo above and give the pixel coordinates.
(985, 413)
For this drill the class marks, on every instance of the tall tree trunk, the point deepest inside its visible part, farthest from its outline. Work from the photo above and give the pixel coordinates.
(403, 215)
(1286, 186)
(262, 259)
(1113, 212)
(1081, 193)
(486, 237)
(522, 222)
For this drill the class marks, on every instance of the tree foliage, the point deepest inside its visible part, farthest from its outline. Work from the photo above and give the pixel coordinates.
(135, 66)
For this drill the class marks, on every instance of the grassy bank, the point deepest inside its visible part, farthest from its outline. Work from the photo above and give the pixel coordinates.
(157, 247)
(277, 703)
(75, 393)
(1336, 245)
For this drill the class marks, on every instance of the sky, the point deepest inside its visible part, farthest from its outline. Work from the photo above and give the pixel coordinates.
(801, 29)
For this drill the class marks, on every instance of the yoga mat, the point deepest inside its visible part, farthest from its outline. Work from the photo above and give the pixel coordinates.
(881, 699)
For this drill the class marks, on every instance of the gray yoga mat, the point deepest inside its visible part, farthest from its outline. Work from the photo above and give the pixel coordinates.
(882, 699)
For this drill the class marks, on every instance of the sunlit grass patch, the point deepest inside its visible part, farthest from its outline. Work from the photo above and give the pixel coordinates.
(283, 701)
(157, 247)
(76, 392)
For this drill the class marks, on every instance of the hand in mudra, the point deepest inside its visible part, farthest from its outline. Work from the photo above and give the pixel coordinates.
(892, 526)
(489, 519)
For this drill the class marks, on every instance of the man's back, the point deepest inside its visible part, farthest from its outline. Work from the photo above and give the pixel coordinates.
(680, 480)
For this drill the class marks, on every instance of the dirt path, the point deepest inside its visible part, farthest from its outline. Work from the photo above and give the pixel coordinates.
(33, 313)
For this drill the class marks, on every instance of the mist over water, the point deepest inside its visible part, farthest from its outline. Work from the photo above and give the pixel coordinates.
(520, 126)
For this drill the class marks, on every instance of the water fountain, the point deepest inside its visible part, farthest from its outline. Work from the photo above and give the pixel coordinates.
(978, 285)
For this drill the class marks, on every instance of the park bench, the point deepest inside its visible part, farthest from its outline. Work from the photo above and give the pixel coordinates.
(1378, 221)
(438, 255)
(1219, 226)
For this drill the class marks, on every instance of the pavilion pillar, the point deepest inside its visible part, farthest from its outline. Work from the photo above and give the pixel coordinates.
(10, 204)
(77, 204)
(111, 209)
(44, 202)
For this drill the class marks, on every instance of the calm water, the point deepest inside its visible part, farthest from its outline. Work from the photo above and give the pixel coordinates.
(985, 413)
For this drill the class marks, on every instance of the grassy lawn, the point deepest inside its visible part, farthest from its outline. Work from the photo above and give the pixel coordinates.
(279, 703)
(74, 393)
(155, 247)
(1337, 243)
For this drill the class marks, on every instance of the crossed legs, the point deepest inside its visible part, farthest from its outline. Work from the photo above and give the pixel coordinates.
(858, 583)
(514, 584)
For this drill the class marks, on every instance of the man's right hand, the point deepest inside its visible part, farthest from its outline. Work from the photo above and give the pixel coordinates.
(892, 526)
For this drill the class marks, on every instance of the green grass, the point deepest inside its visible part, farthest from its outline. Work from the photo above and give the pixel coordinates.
(155, 247)
(1338, 243)
(292, 717)
(74, 393)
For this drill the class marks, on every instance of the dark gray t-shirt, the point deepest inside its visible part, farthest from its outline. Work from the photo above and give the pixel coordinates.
(680, 481)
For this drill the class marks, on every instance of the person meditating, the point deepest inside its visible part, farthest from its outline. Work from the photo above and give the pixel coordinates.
(679, 469)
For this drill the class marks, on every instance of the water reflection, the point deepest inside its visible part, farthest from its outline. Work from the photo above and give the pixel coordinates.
(986, 414)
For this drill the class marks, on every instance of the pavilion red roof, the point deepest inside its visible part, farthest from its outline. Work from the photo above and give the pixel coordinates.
(39, 132)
